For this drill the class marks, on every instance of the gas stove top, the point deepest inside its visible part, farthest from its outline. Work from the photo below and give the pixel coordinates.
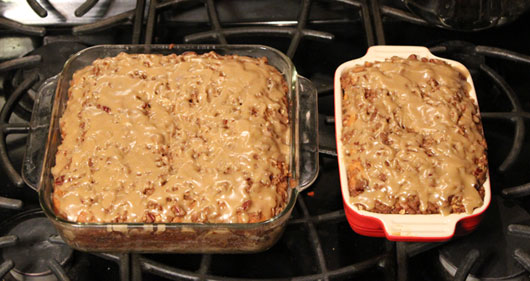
(318, 35)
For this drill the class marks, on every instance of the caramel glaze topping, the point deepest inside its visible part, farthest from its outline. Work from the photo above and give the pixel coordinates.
(187, 138)
(410, 129)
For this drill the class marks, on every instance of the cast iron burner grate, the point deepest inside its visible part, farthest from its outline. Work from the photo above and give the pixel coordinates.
(488, 253)
(318, 243)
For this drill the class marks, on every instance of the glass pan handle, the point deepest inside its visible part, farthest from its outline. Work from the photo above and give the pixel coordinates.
(38, 133)
(308, 132)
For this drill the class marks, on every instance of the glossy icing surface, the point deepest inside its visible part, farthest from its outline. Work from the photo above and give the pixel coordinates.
(188, 138)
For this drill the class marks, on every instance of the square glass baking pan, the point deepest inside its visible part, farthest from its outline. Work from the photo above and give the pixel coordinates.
(50, 103)
(397, 227)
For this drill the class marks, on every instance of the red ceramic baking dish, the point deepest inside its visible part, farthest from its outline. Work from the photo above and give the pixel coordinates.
(398, 227)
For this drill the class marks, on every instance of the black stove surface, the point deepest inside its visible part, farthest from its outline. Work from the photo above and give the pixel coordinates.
(318, 243)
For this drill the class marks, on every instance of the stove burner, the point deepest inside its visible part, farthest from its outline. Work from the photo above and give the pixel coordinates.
(34, 256)
(494, 249)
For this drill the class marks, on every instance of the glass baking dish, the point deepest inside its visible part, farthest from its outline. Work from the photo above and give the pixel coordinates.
(50, 103)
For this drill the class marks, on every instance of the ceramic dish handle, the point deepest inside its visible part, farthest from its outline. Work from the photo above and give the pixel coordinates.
(38, 132)
(383, 52)
(410, 226)
(308, 132)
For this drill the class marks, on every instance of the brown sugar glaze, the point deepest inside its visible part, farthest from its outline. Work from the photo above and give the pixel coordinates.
(412, 136)
(177, 138)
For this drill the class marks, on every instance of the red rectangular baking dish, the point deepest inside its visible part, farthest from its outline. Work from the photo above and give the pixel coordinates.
(398, 227)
